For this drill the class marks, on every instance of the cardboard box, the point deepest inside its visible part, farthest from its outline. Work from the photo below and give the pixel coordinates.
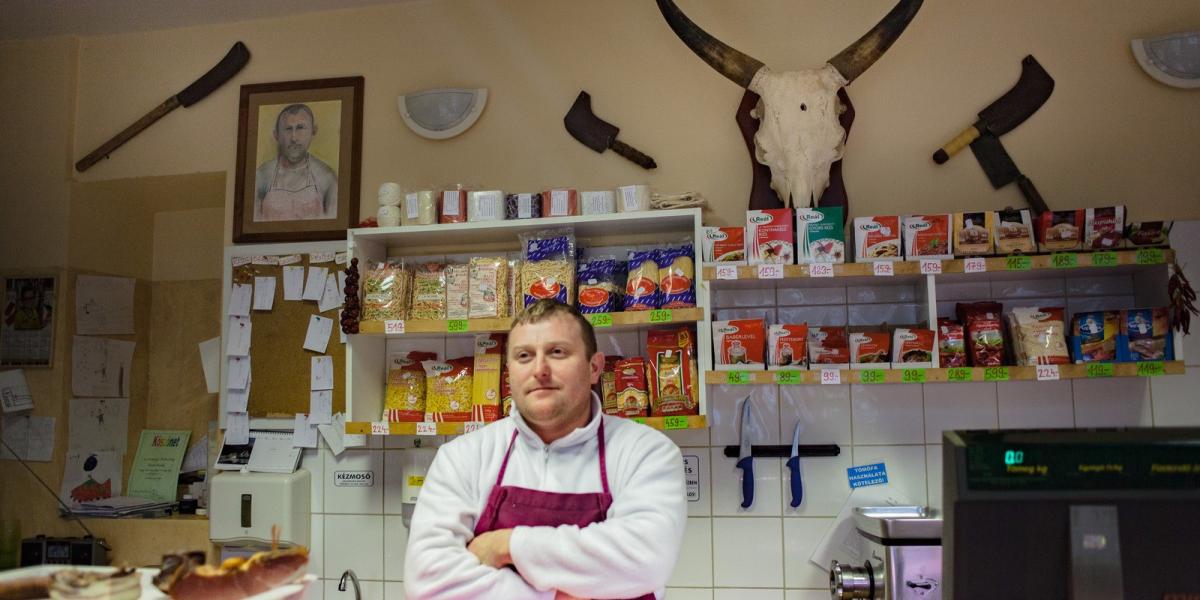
(770, 238)
(877, 238)
(821, 235)
(927, 236)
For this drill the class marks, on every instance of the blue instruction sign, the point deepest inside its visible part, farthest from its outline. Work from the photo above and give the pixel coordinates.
(864, 475)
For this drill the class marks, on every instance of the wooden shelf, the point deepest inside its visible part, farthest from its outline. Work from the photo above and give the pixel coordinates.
(1060, 262)
(661, 423)
(889, 375)
(501, 325)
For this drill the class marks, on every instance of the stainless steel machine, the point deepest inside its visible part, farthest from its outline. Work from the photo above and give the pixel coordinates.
(905, 556)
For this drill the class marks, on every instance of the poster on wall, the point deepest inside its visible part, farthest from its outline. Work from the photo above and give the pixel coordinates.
(27, 323)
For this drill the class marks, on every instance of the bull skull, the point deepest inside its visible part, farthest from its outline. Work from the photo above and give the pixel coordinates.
(799, 136)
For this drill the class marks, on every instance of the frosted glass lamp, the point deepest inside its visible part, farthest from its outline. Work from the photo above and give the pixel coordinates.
(1173, 59)
(442, 113)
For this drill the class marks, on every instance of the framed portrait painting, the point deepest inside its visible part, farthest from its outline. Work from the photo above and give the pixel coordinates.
(298, 160)
(27, 323)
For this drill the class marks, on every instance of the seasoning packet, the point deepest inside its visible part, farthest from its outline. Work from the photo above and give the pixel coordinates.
(1059, 230)
(740, 344)
(1149, 233)
(676, 276)
(828, 346)
(1094, 335)
(601, 285)
(952, 347)
(870, 349)
(404, 400)
(672, 372)
(487, 368)
(1038, 336)
(641, 286)
(972, 233)
(787, 346)
(448, 389)
(821, 234)
(1103, 227)
(913, 346)
(548, 270)
(877, 238)
(1147, 333)
(725, 245)
(633, 395)
(769, 237)
(927, 236)
(984, 332)
(1014, 232)
(487, 291)
(458, 291)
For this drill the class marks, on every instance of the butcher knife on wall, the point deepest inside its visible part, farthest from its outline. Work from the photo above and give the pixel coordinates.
(234, 61)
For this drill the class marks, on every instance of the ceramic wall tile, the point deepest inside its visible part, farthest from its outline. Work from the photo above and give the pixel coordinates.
(354, 542)
(905, 468)
(694, 567)
(1035, 404)
(354, 482)
(889, 413)
(1177, 399)
(800, 538)
(724, 416)
(824, 409)
(1116, 402)
(958, 406)
(734, 565)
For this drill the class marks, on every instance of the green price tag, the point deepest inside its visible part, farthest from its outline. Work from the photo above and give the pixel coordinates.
(456, 325)
(788, 377)
(1152, 368)
(1104, 259)
(1100, 369)
(600, 320)
(871, 376)
(1064, 260)
(1018, 263)
(1150, 256)
(995, 374)
(913, 376)
(737, 377)
(959, 374)
(641, 420)
(660, 316)
(676, 422)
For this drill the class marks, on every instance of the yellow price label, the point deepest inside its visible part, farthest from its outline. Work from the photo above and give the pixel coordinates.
(675, 422)
(456, 325)
(959, 374)
(788, 377)
(1151, 369)
(1064, 260)
(1018, 263)
(871, 376)
(913, 376)
(600, 320)
(662, 315)
(416, 480)
(1104, 259)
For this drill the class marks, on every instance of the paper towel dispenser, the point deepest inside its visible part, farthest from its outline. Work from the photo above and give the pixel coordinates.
(244, 506)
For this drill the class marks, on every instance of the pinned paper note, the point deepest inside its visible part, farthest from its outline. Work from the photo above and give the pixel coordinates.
(238, 400)
(320, 257)
(322, 373)
(293, 283)
(341, 277)
(14, 391)
(100, 367)
(98, 424)
(315, 285)
(335, 433)
(91, 476)
(237, 428)
(264, 293)
(210, 361)
(319, 329)
(239, 299)
(31, 437)
(238, 337)
(330, 298)
(103, 305)
(238, 373)
(304, 435)
(320, 407)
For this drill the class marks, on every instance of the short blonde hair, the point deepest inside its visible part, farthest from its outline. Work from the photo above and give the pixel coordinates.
(547, 308)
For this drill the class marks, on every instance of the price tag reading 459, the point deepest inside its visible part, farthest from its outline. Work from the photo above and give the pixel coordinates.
(675, 422)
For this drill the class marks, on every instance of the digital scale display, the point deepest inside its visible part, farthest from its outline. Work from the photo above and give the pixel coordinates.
(1082, 460)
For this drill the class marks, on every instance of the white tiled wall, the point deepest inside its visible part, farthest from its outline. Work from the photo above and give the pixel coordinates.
(730, 553)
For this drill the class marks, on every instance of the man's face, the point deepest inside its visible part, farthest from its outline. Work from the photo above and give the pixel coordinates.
(550, 372)
(294, 135)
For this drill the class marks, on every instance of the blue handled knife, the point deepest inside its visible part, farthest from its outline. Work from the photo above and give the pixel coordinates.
(793, 464)
(745, 460)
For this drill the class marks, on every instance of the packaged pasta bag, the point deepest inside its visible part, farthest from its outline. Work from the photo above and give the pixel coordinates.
(516, 298)
(385, 291)
(404, 399)
(506, 398)
(672, 372)
(488, 288)
(487, 368)
(428, 292)
(633, 399)
(448, 389)
(641, 284)
(1038, 336)
(984, 332)
(548, 270)
(458, 288)
(600, 290)
(676, 276)
(608, 385)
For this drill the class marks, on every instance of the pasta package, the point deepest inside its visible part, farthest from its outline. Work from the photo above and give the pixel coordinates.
(608, 385)
(1147, 333)
(1039, 336)
(429, 292)
(601, 285)
(488, 366)
(633, 399)
(828, 346)
(1014, 232)
(740, 344)
(548, 270)
(672, 372)
(877, 238)
(676, 277)
(1094, 335)
(385, 292)
(487, 291)
(641, 285)
(506, 397)
(448, 390)
(984, 332)
(913, 346)
(516, 298)
(788, 346)
(870, 348)
(404, 399)
(927, 236)
(952, 347)
(458, 291)
(973, 233)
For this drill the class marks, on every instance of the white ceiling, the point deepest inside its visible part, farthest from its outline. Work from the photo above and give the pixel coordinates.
(41, 18)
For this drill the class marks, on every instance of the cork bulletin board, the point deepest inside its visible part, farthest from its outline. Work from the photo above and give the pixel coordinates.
(280, 366)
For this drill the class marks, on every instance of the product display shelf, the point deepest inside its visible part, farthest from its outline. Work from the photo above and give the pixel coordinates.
(925, 375)
(366, 351)
(365, 427)
(1025, 265)
(601, 321)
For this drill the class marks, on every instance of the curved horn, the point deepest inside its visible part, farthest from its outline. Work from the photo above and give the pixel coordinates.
(860, 55)
(728, 61)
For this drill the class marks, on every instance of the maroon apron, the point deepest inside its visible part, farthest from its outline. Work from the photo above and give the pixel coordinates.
(510, 506)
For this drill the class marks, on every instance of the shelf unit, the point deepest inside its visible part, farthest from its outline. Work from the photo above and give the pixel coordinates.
(936, 375)
(366, 351)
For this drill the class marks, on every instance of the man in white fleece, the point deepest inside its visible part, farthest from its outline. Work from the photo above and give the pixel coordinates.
(558, 501)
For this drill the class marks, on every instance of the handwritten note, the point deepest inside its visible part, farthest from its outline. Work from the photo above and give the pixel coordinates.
(330, 297)
(240, 298)
(293, 283)
(103, 305)
(322, 373)
(304, 434)
(315, 286)
(100, 367)
(238, 373)
(238, 400)
(14, 391)
(98, 424)
(264, 293)
(237, 428)
(31, 438)
(317, 338)
(238, 337)
(320, 407)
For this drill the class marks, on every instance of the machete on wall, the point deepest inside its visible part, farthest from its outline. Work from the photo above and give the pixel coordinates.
(234, 61)
(800, 136)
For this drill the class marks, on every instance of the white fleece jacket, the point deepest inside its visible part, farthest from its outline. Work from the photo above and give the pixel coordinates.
(631, 553)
